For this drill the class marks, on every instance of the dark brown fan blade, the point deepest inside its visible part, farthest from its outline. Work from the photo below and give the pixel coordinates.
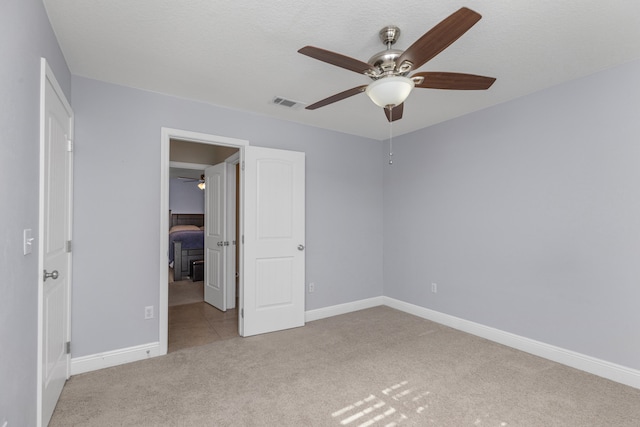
(458, 81)
(395, 113)
(337, 97)
(336, 59)
(439, 37)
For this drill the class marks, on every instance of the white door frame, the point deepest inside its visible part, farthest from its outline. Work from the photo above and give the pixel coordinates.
(167, 135)
(47, 77)
(232, 199)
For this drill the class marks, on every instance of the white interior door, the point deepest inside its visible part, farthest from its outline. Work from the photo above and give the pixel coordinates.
(274, 239)
(216, 245)
(55, 255)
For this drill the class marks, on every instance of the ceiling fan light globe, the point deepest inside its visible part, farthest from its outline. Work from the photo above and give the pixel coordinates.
(390, 91)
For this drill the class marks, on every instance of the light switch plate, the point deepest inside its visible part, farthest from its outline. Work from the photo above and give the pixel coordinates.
(27, 241)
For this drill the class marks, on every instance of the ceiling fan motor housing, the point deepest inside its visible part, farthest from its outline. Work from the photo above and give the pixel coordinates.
(385, 62)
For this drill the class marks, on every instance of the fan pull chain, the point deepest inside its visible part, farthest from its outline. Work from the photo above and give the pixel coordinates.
(391, 138)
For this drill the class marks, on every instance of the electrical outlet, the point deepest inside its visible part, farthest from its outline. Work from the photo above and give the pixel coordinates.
(148, 312)
(312, 287)
(434, 288)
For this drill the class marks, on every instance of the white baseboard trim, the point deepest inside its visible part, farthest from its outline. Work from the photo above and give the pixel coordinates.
(601, 368)
(335, 310)
(93, 362)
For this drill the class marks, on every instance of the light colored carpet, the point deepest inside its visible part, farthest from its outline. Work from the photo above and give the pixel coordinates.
(375, 367)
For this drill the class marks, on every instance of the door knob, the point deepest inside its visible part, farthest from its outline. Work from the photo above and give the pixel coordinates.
(301, 247)
(53, 275)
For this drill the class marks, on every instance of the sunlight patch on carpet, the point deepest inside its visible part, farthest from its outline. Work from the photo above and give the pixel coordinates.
(399, 403)
(404, 403)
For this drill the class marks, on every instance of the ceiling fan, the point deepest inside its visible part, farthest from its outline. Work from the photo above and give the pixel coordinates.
(201, 184)
(389, 69)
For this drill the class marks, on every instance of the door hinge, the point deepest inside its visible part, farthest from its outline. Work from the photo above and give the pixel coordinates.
(70, 145)
(243, 239)
(242, 313)
(68, 347)
(243, 165)
(67, 247)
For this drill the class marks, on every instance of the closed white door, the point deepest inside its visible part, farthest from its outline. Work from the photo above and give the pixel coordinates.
(55, 248)
(274, 239)
(215, 231)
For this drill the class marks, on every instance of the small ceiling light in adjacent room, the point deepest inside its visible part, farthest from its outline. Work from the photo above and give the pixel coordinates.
(390, 90)
(201, 185)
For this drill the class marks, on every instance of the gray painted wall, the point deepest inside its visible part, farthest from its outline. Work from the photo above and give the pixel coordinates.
(116, 264)
(185, 197)
(527, 216)
(25, 36)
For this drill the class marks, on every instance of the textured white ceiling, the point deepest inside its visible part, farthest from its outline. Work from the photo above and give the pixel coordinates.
(240, 54)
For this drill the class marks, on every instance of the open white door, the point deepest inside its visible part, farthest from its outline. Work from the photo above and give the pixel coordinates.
(274, 239)
(55, 247)
(215, 242)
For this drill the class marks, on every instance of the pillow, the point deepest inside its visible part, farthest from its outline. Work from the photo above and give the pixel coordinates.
(184, 228)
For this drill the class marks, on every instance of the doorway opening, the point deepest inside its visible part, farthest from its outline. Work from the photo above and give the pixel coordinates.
(185, 319)
(194, 318)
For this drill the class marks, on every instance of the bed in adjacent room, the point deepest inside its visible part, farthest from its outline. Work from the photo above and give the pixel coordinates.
(186, 243)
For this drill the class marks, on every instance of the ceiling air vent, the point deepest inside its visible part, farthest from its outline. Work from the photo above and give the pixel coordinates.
(288, 103)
